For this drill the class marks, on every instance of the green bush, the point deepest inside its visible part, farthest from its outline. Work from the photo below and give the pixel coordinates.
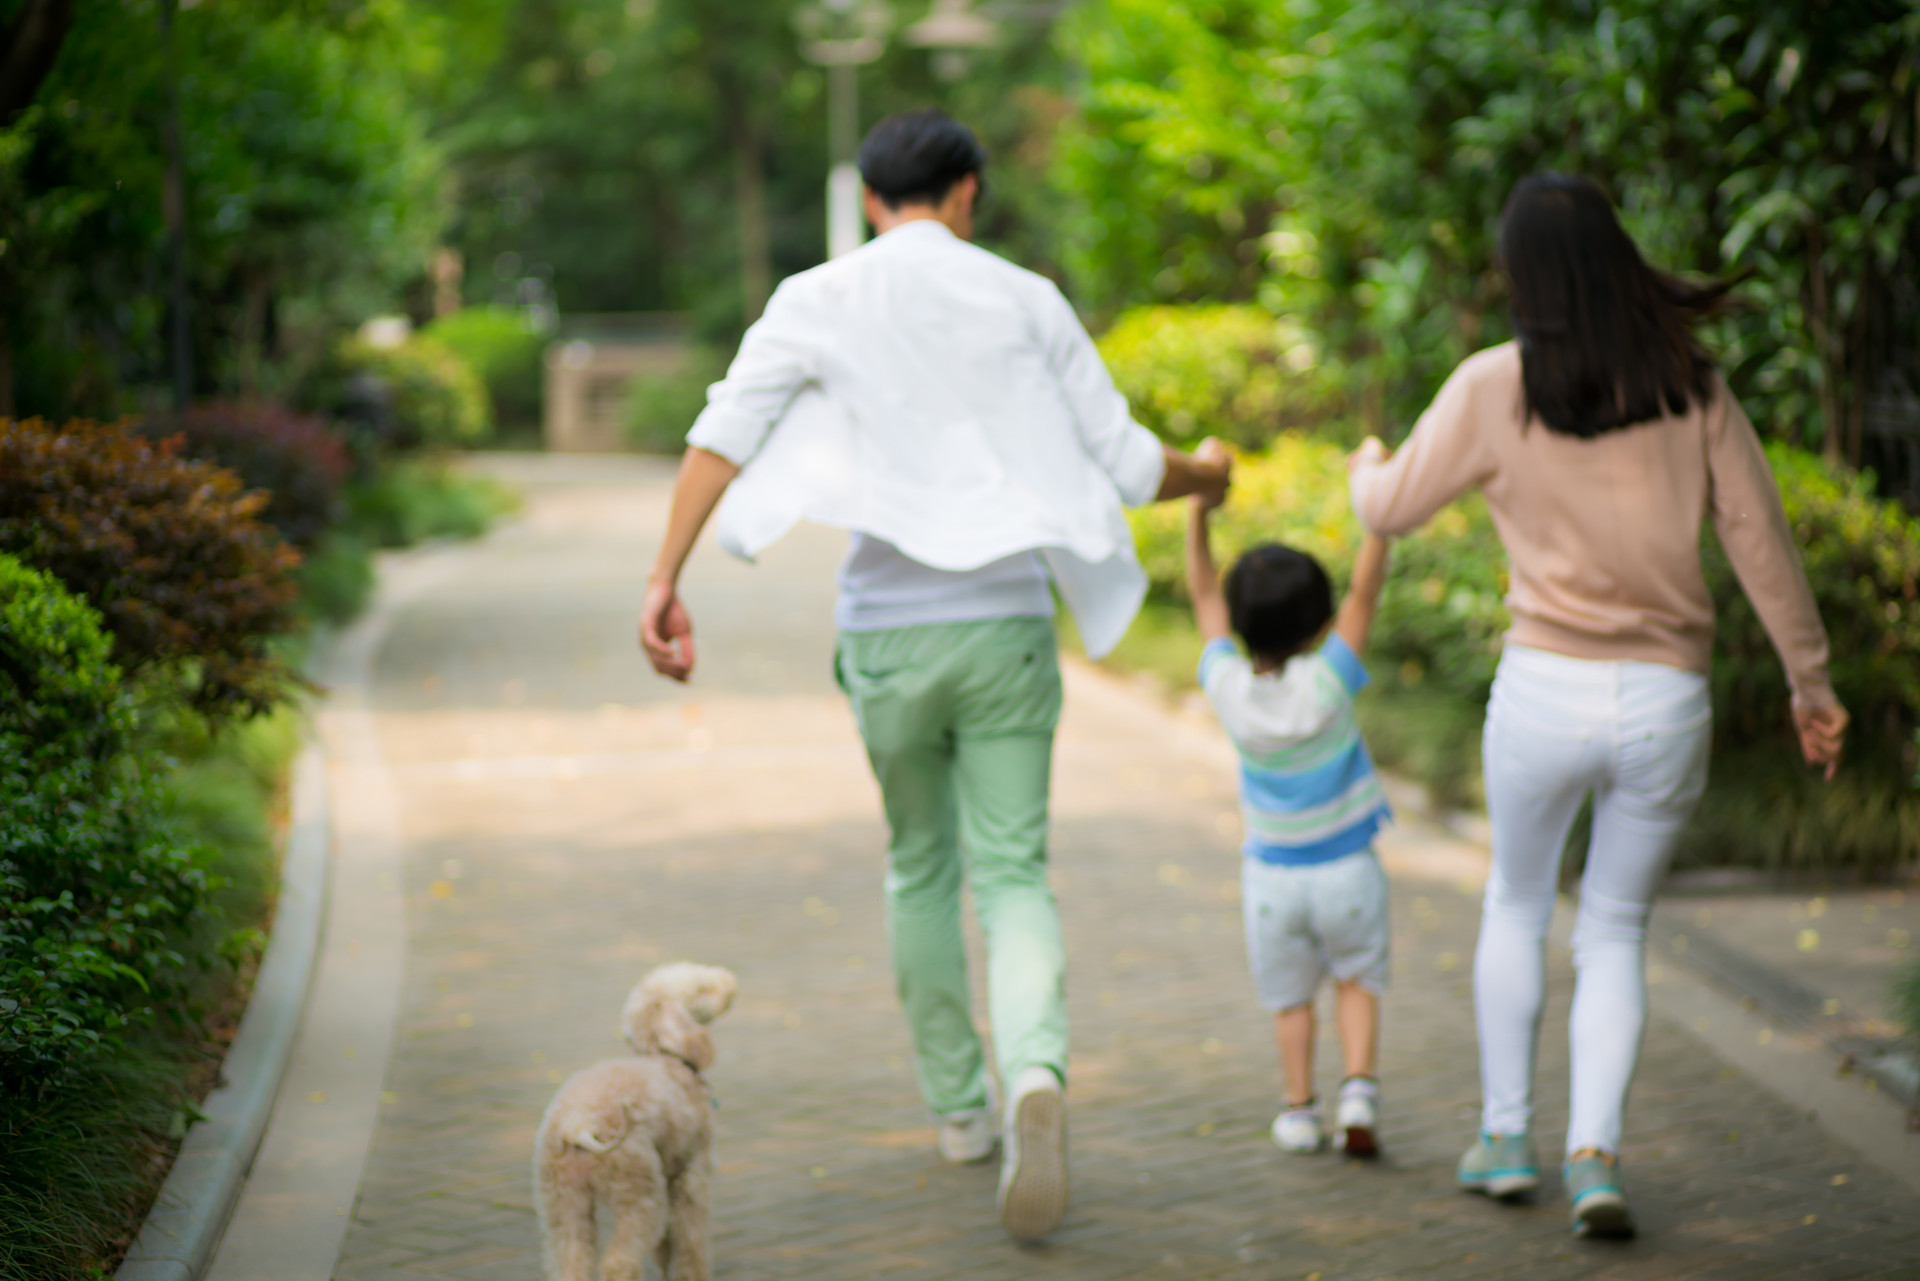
(336, 579)
(1438, 633)
(661, 406)
(191, 583)
(506, 352)
(413, 501)
(417, 395)
(1906, 1001)
(92, 894)
(1238, 373)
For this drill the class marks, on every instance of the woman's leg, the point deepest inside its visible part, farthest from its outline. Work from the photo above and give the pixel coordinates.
(1539, 763)
(1659, 771)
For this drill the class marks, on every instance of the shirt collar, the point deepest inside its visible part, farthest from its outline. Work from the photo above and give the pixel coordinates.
(926, 226)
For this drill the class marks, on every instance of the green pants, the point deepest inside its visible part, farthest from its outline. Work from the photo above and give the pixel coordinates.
(958, 720)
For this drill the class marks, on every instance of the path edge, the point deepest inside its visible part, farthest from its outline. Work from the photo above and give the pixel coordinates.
(184, 1227)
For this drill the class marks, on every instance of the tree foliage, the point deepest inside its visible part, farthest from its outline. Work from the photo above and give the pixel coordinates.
(1345, 161)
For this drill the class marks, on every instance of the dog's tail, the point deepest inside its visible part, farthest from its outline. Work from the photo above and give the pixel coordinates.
(596, 1129)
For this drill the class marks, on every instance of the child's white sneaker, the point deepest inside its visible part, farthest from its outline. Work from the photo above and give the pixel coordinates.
(1297, 1128)
(1357, 1118)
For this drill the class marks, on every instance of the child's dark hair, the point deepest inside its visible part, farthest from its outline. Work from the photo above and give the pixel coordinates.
(1278, 599)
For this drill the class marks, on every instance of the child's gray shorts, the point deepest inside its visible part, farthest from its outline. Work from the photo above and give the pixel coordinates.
(1304, 923)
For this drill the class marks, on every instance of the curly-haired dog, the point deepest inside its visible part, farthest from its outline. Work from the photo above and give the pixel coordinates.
(635, 1135)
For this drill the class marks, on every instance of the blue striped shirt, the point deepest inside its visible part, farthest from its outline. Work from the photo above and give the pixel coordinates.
(1308, 789)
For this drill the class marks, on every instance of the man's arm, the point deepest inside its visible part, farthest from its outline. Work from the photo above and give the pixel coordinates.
(666, 630)
(1355, 617)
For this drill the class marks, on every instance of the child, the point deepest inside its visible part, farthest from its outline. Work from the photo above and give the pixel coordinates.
(1314, 895)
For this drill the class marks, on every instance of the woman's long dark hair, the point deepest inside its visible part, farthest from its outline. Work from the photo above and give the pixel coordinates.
(1606, 341)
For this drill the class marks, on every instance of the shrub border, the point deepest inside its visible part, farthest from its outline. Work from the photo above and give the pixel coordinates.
(178, 1239)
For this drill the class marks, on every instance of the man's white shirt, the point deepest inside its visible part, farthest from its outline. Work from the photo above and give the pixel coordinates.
(934, 396)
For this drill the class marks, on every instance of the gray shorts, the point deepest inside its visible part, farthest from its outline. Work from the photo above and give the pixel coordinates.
(1304, 923)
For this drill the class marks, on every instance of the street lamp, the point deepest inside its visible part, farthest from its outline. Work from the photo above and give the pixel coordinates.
(840, 35)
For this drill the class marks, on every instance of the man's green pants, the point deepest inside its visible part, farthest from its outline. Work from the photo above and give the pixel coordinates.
(958, 720)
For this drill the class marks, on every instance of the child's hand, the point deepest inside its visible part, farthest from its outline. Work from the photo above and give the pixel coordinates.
(1372, 450)
(1215, 454)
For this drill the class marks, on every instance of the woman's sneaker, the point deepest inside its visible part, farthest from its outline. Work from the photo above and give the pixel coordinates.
(1599, 1207)
(1297, 1128)
(1500, 1165)
(1357, 1119)
(1033, 1171)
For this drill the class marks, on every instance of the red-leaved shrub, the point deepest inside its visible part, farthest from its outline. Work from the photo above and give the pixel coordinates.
(294, 457)
(191, 584)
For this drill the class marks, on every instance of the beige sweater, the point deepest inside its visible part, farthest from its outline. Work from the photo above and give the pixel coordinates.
(1604, 534)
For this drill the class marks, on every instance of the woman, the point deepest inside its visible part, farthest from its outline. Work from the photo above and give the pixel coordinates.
(1602, 439)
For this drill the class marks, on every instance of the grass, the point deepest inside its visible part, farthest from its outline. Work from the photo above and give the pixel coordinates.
(414, 500)
(1906, 1001)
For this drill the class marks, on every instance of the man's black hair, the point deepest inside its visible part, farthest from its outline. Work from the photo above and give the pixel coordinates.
(1278, 599)
(915, 157)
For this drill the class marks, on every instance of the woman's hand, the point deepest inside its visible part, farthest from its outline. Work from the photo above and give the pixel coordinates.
(1372, 451)
(1823, 734)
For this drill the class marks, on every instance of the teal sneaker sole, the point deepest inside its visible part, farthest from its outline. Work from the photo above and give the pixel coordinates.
(1602, 1215)
(1501, 1185)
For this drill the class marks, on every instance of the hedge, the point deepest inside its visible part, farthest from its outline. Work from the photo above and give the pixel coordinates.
(506, 352)
(1437, 639)
(418, 395)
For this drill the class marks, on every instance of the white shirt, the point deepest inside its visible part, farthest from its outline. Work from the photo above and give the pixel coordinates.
(880, 587)
(937, 397)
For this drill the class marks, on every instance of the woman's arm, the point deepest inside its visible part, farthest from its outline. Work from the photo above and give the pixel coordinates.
(1753, 529)
(1445, 455)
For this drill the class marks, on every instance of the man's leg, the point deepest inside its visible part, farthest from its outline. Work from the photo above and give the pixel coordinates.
(899, 699)
(1003, 760)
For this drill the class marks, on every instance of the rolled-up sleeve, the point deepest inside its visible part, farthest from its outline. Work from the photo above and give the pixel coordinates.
(776, 359)
(1131, 456)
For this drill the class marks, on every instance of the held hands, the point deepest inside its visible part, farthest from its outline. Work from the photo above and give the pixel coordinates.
(1372, 451)
(1217, 458)
(666, 631)
(1823, 734)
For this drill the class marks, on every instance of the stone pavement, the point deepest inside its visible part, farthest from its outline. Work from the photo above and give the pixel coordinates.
(569, 820)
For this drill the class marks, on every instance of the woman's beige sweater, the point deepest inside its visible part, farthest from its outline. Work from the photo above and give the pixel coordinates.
(1604, 535)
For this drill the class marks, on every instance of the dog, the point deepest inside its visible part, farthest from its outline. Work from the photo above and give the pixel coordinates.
(635, 1135)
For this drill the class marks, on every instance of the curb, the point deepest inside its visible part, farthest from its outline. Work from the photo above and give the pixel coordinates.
(177, 1241)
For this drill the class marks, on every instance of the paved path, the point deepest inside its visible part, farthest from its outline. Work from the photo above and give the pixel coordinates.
(568, 820)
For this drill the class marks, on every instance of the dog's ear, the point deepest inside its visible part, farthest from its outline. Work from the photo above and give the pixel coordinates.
(664, 1027)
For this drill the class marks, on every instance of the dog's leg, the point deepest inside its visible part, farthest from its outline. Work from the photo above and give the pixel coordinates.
(563, 1192)
(637, 1199)
(685, 1252)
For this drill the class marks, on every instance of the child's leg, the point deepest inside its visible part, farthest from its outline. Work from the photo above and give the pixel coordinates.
(1357, 1014)
(1293, 1030)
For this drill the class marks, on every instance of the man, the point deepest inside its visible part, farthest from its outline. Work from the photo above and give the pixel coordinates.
(947, 408)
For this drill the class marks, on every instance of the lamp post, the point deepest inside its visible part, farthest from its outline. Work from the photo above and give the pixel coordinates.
(841, 35)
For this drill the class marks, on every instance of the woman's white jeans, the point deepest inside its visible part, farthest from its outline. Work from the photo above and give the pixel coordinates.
(1635, 737)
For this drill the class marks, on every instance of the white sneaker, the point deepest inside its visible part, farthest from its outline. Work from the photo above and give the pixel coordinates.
(1033, 1173)
(1357, 1119)
(967, 1137)
(1297, 1129)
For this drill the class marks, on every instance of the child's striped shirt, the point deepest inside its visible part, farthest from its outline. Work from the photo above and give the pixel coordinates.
(1307, 786)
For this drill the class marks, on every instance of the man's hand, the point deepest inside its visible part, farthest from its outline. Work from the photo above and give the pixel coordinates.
(1372, 450)
(666, 631)
(1190, 474)
(1823, 734)
(1214, 454)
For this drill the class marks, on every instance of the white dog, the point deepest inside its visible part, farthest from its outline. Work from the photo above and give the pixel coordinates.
(635, 1134)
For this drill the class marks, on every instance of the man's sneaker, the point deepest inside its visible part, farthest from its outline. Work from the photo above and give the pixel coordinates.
(1357, 1117)
(1599, 1207)
(1500, 1165)
(1033, 1172)
(967, 1137)
(1297, 1128)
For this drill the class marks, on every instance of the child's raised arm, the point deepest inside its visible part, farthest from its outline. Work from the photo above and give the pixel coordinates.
(1355, 618)
(1203, 578)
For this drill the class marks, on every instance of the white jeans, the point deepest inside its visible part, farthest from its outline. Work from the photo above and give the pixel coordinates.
(1635, 736)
